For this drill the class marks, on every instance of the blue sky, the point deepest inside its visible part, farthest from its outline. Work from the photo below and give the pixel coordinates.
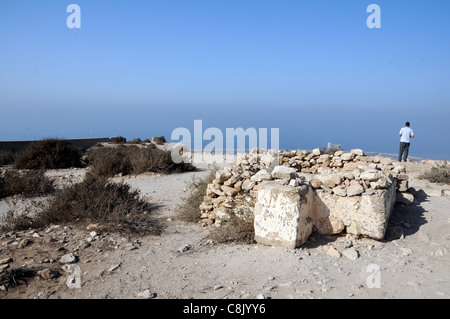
(313, 69)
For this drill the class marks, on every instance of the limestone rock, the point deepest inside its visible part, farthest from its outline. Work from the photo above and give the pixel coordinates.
(341, 191)
(261, 175)
(361, 215)
(402, 185)
(370, 176)
(230, 191)
(68, 258)
(283, 215)
(315, 182)
(47, 273)
(358, 152)
(222, 176)
(351, 253)
(333, 252)
(347, 156)
(247, 185)
(74, 279)
(23, 243)
(355, 189)
(404, 198)
(350, 166)
(146, 294)
(5, 260)
(283, 172)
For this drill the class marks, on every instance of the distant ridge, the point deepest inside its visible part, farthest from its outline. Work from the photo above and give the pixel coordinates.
(84, 143)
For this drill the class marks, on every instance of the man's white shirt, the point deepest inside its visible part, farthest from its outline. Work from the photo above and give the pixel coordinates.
(406, 133)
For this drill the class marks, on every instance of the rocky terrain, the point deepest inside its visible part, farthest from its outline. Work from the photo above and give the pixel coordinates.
(412, 261)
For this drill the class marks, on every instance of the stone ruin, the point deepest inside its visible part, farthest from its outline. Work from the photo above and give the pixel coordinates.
(290, 194)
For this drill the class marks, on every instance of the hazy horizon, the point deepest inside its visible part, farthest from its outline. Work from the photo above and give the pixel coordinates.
(313, 69)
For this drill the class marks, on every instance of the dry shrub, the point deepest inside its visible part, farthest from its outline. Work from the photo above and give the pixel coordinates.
(7, 158)
(48, 154)
(234, 230)
(110, 161)
(15, 222)
(189, 210)
(27, 184)
(160, 140)
(17, 276)
(237, 229)
(119, 140)
(114, 205)
(135, 141)
(438, 174)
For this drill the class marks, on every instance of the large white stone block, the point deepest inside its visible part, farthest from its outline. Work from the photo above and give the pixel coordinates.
(366, 215)
(283, 214)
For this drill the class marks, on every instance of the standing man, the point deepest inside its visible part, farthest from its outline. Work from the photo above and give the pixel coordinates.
(405, 137)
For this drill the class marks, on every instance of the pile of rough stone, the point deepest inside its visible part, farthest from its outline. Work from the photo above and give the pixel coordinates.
(341, 183)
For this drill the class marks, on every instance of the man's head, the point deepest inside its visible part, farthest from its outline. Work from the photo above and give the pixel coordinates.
(407, 124)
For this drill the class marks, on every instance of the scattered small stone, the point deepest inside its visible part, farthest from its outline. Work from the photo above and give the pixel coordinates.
(351, 253)
(49, 240)
(406, 251)
(333, 252)
(185, 248)
(48, 273)
(84, 244)
(216, 287)
(146, 294)
(68, 258)
(348, 243)
(91, 226)
(49, 230)
(3, 267)
(327, 281)
(6, 260)
(23, 243)
(440, 252)
(74, 281)
(114, 267)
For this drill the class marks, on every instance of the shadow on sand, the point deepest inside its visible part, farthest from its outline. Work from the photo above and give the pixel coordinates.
(406, 220)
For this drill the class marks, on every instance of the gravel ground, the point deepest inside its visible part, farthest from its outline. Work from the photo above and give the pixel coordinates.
(411, 262)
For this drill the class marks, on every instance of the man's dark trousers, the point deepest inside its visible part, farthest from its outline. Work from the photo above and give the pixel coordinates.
(404, 149)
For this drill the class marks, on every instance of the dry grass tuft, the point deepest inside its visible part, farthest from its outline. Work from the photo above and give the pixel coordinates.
(7, 158)
(26, 184)
(17, 276)
(110, 161)
(235, 230)
(95, 200)
(189, 210)
(438, 174)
